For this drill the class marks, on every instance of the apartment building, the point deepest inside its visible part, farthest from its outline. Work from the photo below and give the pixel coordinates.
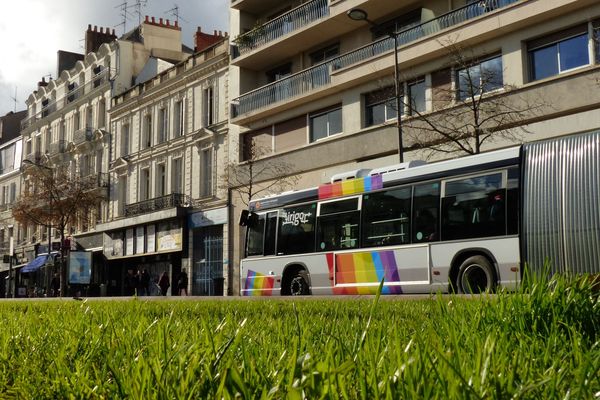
(10, 183)
(309, 79)
(167, 212)
(67, 122)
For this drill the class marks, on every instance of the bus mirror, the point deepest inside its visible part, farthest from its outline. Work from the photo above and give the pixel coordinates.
(248, 218)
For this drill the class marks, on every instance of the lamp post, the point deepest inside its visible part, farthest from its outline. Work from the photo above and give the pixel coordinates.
(49, 226)
(357, 14)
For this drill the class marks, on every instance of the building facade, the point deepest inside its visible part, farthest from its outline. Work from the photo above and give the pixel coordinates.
(310, 79)
(167, 211)
(68, 124)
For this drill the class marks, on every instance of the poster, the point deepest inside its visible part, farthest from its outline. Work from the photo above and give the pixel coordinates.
(80, 267)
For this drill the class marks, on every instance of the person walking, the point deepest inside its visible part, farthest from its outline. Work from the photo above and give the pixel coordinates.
(55, 286)
(145, 282)
(164, 283)
(182, 283)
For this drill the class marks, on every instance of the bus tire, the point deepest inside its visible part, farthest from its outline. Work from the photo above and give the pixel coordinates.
(298, 284)
(476, 275)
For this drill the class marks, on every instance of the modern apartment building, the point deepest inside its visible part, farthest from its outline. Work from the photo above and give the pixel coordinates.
(310, 84)
(167, 212)
(67, 122)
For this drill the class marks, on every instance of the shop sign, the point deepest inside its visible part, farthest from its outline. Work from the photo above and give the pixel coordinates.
(208, 218)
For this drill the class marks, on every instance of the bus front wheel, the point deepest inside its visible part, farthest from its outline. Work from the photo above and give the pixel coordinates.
(299, 284)
(476, 275)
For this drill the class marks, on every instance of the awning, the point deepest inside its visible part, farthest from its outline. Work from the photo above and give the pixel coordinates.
(36, 264)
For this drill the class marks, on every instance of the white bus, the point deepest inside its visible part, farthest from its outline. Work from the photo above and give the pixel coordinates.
(469, 224)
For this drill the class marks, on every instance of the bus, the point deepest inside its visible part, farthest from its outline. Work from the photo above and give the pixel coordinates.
(468, 225)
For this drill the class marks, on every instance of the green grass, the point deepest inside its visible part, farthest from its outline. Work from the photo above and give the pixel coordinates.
(541, 343)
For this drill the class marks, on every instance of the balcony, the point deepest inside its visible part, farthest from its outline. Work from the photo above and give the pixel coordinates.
(157, 204)
(95, 181)
(35, 157)
(281, 26)
(83, 135)
(57, 147)
(319, 76)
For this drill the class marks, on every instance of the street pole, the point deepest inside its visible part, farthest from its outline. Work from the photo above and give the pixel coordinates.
(398, 103)
(11, 292)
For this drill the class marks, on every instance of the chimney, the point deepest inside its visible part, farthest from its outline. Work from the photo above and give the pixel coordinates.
(162, 23)
(204, 40)
(42, 83)
(94, 38)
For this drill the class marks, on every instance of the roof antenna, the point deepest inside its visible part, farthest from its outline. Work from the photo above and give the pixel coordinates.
(125, 14)
(15, 99)
(138, 9)
(175, 12)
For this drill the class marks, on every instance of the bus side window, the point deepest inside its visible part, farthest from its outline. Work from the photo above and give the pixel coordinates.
(270, 233)
(385, 218)
(426, 204)
(256, 237)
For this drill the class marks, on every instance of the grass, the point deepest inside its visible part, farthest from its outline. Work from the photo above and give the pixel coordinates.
(542, 342)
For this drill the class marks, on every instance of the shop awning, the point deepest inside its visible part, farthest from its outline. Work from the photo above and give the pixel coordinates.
(36, 264)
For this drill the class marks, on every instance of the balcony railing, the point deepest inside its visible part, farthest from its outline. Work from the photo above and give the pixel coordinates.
(280, 26)
(57, 147)
(83, 135)
(87, 87)
(320, 75)
(95, 180)
(35, 157)
(157, 204)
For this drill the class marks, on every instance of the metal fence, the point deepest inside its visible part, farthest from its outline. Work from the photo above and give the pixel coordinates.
(157, 203)
(208, 273)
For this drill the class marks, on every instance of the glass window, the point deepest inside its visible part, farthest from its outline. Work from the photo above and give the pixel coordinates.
(559, 57)
(336, 207)
(416, 92)
(325, 54)
(426, 204)
(297, 229)
(386, 217)
(255, 238)
(270, 233)
(480, 78)
(474, 207)
(380, 106)
(326, 124)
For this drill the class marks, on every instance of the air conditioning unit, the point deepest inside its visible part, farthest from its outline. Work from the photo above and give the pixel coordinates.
(396, 167)
(344, 176)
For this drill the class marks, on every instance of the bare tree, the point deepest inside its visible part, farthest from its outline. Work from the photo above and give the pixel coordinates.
(257, 175)
(53, 197)
(472, 106)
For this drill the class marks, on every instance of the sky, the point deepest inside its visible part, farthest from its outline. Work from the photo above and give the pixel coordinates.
(32, 31)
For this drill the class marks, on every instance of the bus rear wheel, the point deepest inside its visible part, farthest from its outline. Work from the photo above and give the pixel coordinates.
(299, 284)
(476, 275)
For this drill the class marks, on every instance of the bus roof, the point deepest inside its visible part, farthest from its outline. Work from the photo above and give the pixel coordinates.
(441, 169)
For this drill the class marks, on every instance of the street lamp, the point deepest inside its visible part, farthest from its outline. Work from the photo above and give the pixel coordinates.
(357, 14)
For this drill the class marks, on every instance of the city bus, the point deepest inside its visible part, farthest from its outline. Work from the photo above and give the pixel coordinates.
(468, 225)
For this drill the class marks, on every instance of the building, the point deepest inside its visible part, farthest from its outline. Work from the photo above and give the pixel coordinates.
(167, 212)
(10, 184)
(67, 124)
(310, 79)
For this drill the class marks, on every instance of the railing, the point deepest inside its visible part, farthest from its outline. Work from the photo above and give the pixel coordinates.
(83, 135)
(35, 157)
(156, 204)
(95, 180)
(320, 75)
(87, 87)
(280, 26)
(57, 147)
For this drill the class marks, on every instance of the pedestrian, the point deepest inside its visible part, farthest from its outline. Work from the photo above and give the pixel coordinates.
(164, 283)
(55, 285)
(182, 283)
(145, 282)
(130, 283)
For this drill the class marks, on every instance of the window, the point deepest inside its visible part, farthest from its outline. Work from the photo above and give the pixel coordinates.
(325, 124)
(206, 173)
(179, 122)
(162, 125)
(416, 94)
(125, 140)
(480, 78)
(425, 218)
(558, 53)
(338, 225)
(98, 80)
(147, 132)
(122, 194)
(474, 207)
(89, 117)
(71, 92)
(145, 184)
(209, 106)
(398, 24)
(101, 113)
(325, 54)
(13, 193)
(380, 106)
(76, 119)
(161, 180)
(177, 176)
(296, 229)
(386, 217)
(279, 72)
(261, 237)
